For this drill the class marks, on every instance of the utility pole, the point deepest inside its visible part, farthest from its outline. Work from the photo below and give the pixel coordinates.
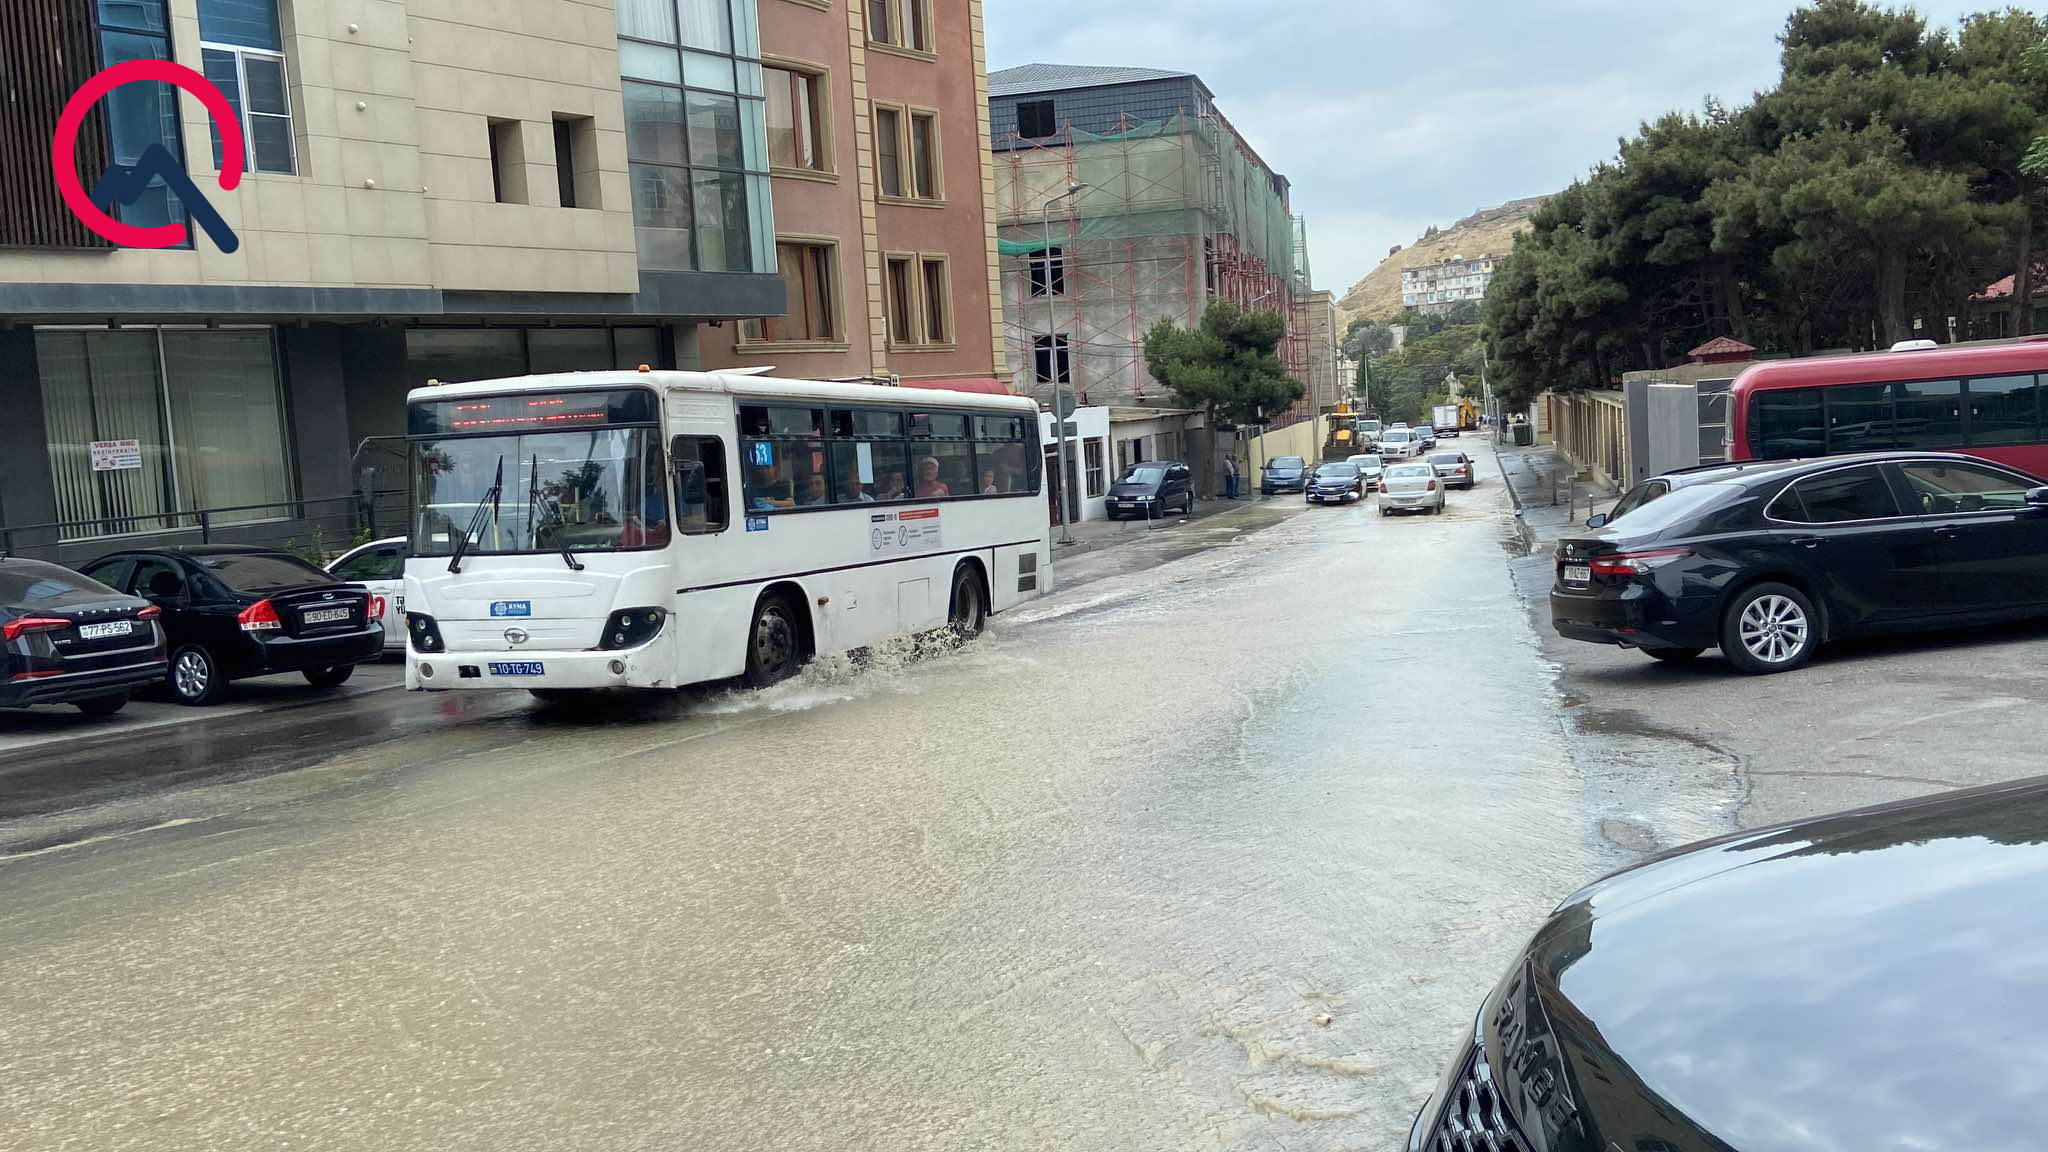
(1052, 358)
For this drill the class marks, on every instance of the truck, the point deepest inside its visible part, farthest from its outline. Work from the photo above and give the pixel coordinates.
(1444, 418)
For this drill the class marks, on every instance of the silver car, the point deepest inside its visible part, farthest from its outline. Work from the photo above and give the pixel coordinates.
(1369, 466)
(1410, 487)
(1453, 468)
(1398, 444)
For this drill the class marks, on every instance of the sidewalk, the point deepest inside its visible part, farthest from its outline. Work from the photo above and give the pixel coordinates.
(1549, 502)
(1093, 535)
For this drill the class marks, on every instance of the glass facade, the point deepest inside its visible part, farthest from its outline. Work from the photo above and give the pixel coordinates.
(139, 115)
(454, 355)
(696, 134)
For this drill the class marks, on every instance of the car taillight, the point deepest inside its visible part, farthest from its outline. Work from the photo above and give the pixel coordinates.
(1431, 487)
(376, 607)
(260, 617)
(1635, 563)
(149, 613)
(15, 629)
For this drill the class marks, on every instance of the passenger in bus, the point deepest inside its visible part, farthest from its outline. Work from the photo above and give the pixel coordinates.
(895, 488)
(765, 490)
(815, 492)
(929, 486)
(851, 490)
(988, 483)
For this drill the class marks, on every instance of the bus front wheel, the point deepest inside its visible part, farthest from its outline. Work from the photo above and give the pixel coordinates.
(774, 644)
(969, 608)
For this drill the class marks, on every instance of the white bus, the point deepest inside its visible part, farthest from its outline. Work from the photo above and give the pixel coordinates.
(655, 529)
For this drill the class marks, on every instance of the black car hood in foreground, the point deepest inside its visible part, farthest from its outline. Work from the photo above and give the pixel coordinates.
(1872, 980)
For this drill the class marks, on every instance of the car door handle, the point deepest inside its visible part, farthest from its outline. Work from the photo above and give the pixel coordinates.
(1946, 533)
(1807, 541)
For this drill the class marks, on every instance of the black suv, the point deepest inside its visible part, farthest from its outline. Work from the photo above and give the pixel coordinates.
(1766, 561)
(69, 639)
(233, 612)
(1151, 489)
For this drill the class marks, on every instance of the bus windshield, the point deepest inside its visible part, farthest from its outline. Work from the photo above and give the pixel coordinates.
(588, 490)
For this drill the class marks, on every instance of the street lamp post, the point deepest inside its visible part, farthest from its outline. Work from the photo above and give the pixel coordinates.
(1052, 359)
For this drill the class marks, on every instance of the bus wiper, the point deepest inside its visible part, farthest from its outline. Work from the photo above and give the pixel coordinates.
(476, 519)
(554, 517)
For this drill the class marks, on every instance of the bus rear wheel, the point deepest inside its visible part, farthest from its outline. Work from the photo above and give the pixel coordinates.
(968, 610)
(774, 644)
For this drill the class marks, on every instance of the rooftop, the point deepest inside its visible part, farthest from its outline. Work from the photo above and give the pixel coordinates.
(1027, 79)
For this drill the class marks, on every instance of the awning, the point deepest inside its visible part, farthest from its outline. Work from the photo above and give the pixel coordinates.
(987, 385)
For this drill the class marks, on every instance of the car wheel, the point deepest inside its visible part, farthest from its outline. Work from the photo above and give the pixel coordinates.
(102, 706)
(1769, 628)
(1674, 655)
(774, 643)
(969, 610)
(195, 677)
(329, 677)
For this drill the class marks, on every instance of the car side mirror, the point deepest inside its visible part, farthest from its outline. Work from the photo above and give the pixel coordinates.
(2037, 497)
(1597, 520)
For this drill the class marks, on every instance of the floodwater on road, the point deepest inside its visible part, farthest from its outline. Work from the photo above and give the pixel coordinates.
(1220, 851)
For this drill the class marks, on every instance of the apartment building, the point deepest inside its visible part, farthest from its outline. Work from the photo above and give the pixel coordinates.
(459, 189)
(878, 147)
(1433, 288)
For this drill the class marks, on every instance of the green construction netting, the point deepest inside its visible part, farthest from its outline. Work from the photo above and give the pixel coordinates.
(1184, 176)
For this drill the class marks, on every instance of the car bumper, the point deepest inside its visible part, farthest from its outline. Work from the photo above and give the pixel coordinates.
(1634, 616)
(294, 654)
(1272, 489)
(1410, 499)
(651, 665)
(1117, 509)
(1315, 497)
(70, 686)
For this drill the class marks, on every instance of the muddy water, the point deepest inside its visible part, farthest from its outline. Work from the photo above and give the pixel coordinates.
(1220, 851)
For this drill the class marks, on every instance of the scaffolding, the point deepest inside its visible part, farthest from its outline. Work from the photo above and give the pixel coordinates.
(1172, 213)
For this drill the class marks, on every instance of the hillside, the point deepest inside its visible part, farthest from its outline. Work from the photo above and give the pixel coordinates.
(1490, 231)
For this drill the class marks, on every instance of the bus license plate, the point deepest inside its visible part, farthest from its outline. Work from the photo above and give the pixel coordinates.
(1578, 574)
(518, 668)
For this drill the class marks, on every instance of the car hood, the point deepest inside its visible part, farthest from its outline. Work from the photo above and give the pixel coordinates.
(1865, 980)
(1126, 491)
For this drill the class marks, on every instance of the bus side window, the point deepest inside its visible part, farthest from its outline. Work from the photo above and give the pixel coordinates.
(703, 506)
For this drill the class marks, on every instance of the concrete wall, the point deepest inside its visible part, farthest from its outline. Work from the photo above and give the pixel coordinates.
(390, 103)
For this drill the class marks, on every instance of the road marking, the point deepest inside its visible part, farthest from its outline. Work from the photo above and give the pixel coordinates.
(104, 837)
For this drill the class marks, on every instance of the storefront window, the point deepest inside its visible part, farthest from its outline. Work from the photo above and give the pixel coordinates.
(148, 427)
(459, 355)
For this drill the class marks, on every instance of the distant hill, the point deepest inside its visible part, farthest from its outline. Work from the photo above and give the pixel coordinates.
(1488, 232)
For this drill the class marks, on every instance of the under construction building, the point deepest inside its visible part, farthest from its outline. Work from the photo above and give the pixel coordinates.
(1123, 197)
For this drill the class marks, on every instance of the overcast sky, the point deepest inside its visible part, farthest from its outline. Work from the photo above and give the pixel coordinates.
(1389, 117)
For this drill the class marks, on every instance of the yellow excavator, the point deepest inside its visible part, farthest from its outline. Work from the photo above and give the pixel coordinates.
(1351, 432)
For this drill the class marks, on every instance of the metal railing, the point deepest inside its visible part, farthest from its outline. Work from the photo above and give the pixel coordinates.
(326, 525)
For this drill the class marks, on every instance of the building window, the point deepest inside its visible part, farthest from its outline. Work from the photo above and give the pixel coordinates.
(907, 158)
(508, 162)
(919, 301)
(576, 183)
(1049, 352)
(139, 115)
(938, 316)
(241, 50)
(1036, 120)
(452, 355)
(810, 273)
(901, 24)
(1091, 450)
(203, 409)
(1049, 272)
(901, 290)
(797, 120)
(696, 132)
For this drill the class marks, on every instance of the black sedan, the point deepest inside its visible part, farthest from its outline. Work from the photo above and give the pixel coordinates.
(1284, 474)
(1860, 981)
(1336, 484)
(233, 612)
(1768, 561)
(69, 639)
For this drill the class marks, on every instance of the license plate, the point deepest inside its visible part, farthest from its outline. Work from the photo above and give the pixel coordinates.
(102, 631)
(511, 607)
(1578, 574)
(518, 668)
(325, 615)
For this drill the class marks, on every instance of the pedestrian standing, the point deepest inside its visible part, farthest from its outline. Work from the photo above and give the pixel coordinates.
(1230, 476)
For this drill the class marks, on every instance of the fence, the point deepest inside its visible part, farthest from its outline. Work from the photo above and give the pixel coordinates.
(1591, 430)
(321, 527)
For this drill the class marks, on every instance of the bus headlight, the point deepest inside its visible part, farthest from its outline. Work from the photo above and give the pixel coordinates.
(632, 627)
(422, 633)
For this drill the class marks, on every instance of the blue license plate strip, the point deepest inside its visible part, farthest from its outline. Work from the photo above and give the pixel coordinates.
(517, 668)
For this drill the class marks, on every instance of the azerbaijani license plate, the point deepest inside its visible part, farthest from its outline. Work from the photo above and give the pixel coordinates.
(325, 615)
(102, 631)
(511, 608)
(518, 668)
(1578, 574)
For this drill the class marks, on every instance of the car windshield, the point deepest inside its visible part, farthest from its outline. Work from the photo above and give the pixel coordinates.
(1365, 461)
(1144, 474)
(1288, 463)
(1445, 458)
(596, 490)
(1411, 472)
(24, 582)
(1336, 472)
(262, 571)
(1396, 436)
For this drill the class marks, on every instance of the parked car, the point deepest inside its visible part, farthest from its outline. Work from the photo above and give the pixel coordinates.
(1659, 486)
(1453, 468)
(1862, 980)
(1337, 483)
(1410, 486)
(66, 638)
(1153, 488)
(1369, 467)
(380, 567)
(1770, 560)
(1399, 444)
(231, 612)
(1284, 474)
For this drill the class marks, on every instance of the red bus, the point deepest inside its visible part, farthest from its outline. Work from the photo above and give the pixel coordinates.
(1982, 399)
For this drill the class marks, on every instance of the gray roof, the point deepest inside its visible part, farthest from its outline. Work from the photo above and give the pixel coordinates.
(1028, 79)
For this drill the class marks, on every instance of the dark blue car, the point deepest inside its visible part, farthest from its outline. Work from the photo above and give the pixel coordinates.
(1284, 474)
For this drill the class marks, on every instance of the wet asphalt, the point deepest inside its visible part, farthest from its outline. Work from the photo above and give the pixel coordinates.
(1218, 847)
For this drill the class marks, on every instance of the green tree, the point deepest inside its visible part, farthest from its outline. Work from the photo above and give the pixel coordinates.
(1227, 365)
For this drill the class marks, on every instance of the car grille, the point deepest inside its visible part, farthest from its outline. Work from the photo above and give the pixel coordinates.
(1475, 1119)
